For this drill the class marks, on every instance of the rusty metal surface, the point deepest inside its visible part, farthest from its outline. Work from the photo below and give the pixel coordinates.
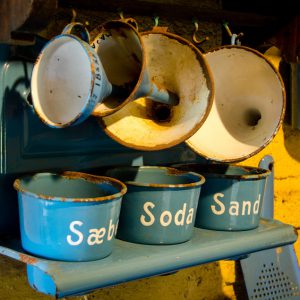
(140, 110)
(214, 157)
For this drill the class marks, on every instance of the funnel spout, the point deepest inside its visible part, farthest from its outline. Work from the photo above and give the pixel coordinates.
(162, 95)
(156, 92)
(119, 91)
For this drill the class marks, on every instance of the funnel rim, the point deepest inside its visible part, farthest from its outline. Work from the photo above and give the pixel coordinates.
(278, 125)
(130, 97)
(210, 86)
(35, 99)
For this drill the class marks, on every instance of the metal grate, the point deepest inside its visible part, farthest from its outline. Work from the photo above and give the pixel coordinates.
(274, 284)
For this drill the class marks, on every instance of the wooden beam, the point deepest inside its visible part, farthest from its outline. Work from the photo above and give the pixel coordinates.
(174, 10)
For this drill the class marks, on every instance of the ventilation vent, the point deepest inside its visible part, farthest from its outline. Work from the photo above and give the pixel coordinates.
(274, 284)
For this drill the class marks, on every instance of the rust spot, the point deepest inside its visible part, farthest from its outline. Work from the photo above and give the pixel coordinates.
(158, 85)
(173, 171)
(160, 29)
(28, 259)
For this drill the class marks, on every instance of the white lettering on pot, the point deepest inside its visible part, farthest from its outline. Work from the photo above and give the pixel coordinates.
(96, 235)
(221, 209)
(235, 208)
(165, 218)
(148, 212)
(76, 232)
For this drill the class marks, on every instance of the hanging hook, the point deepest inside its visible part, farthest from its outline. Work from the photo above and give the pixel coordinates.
(195, 39)
(235, 38)
(156, 20)
(121, 15)
(158, 28)
(74, 15)
(129, 21)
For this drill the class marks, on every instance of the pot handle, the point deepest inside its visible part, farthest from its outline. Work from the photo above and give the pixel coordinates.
(78, 29)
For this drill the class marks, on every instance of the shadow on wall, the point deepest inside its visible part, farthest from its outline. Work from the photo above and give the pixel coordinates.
(292, 141)
(196, 283)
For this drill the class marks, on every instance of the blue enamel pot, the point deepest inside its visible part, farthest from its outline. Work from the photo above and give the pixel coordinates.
(70, 216)
(160, 205)
(231, 198)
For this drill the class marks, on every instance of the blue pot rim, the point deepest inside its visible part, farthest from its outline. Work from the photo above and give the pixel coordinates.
(73, 175)
(260, 172)
(81, 116)
(170, 171)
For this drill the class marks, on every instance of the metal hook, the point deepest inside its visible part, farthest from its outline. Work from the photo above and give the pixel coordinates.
(74, 15)
(195, 39)
(121, 15)
(235, 38)
(156, 21)
(129, 21)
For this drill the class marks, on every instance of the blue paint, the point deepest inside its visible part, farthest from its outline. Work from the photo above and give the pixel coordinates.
(130, 261)
(160, 205)
(149, 89)
(29, 145)
(75, 215)
(232, 196)
(40, 281)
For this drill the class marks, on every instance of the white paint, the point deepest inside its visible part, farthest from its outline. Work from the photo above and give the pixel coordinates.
(62, 80)
(143, 219)
(76, 232)
(96, 235)
(243, 80)
(235, 208)
(165, 217)
(220, 208)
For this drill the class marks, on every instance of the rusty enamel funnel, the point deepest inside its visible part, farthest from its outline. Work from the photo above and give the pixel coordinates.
(122, 55)
(173, 64)
(248, 108)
